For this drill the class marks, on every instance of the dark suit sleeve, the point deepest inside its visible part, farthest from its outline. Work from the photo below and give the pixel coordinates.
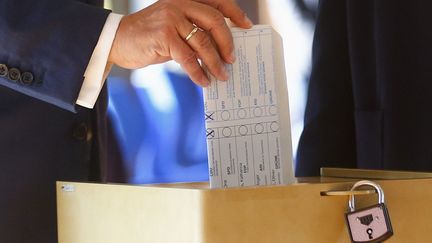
(45, 47)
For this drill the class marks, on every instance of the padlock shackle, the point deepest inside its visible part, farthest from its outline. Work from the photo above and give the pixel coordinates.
(377, 187)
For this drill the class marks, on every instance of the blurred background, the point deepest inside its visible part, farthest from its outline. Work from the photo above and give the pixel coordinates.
(157, 112)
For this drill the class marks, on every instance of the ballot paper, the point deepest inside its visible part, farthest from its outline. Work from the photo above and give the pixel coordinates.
(247, 118)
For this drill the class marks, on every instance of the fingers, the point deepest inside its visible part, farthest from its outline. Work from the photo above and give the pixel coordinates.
(206, 51)
(187, 58)
(231, 10)
(213, 21)
(157, 33)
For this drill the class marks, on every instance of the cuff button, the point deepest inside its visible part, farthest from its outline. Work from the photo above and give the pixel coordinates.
(14, 74)
(82, 132)
(27, 78)
(3, 70)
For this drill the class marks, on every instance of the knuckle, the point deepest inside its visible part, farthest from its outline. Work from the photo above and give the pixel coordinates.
(217, 4)
(189, 58)
(165, 32)
(204, 42)
(194, 71)
(166, 11)
(217, 18)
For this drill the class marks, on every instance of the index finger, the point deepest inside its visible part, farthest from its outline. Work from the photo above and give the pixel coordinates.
(231, 10)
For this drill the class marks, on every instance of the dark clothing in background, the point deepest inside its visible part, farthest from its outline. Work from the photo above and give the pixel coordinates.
(41, 140)
(370, 94)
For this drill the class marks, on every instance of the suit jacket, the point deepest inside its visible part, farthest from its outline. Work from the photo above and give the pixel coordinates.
(370, 89)
(45, 47)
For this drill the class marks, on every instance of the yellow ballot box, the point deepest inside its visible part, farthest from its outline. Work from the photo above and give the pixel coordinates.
(310, 210)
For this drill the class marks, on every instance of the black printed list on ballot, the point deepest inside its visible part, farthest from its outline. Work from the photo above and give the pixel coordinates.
(247, 118)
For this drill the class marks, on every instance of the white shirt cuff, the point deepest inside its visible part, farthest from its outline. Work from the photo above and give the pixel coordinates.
(98, 67)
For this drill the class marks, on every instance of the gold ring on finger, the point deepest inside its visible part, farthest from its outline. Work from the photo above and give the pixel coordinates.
(195, 29)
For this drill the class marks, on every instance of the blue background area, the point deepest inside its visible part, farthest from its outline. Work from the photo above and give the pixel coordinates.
(158, 146)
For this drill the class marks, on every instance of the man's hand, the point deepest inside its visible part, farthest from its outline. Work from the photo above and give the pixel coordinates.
(157, 34)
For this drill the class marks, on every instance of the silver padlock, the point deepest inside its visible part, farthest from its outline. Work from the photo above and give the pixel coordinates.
(370, 224)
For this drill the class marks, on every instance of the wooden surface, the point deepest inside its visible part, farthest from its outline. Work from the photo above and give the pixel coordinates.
(192, 213)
